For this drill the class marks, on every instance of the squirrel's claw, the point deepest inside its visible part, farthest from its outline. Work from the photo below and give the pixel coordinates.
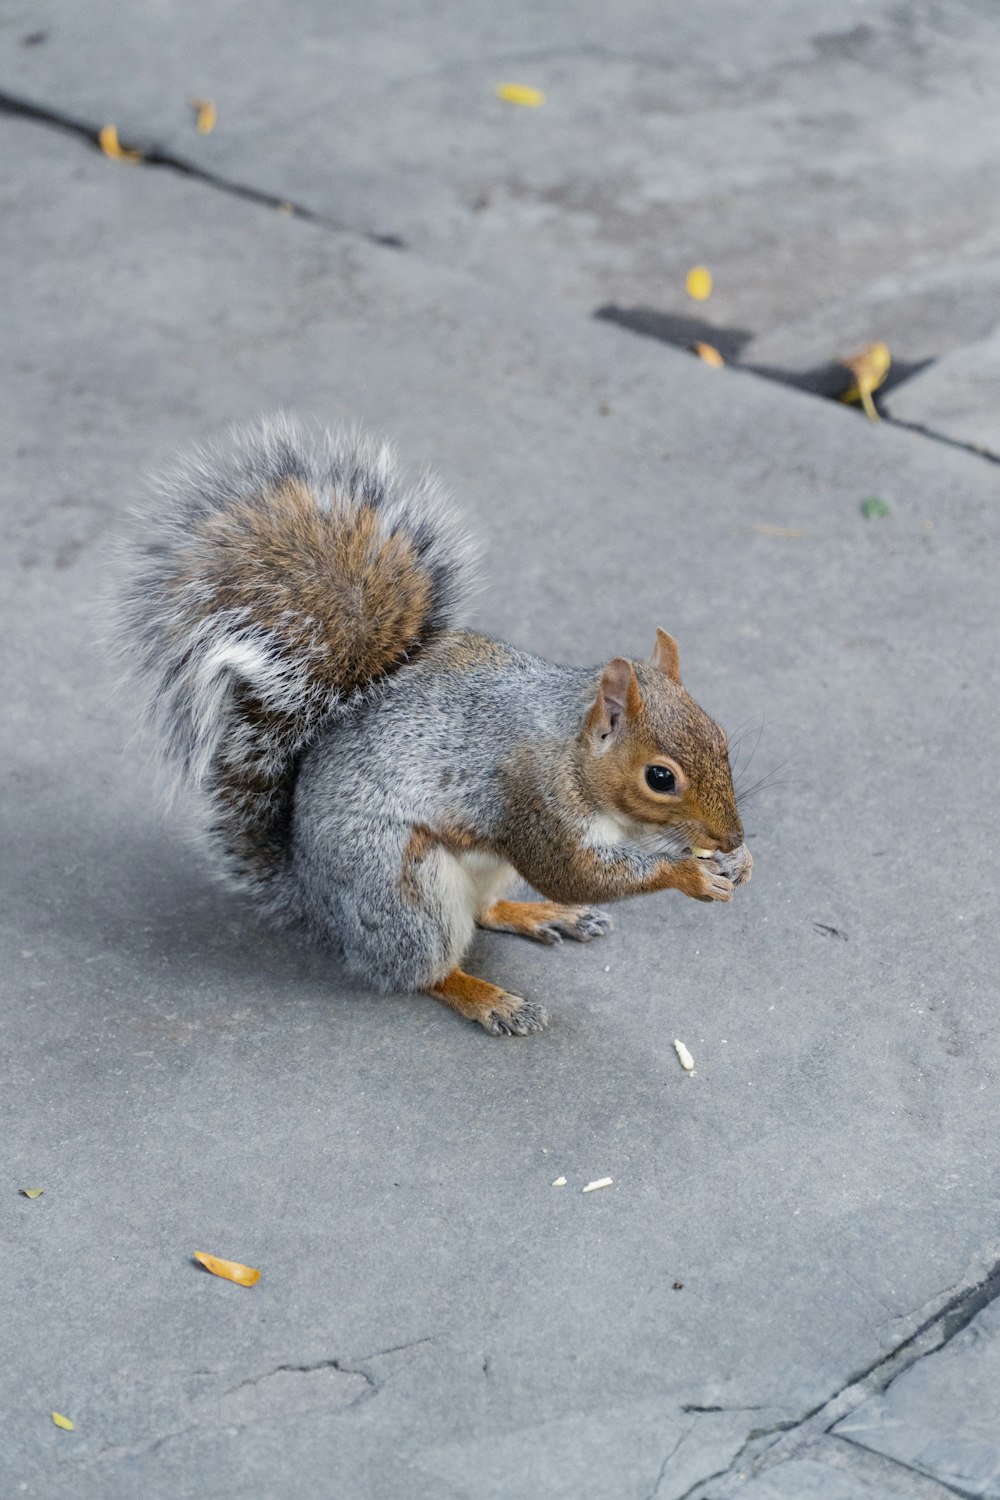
(546, 921)
(737, 866)
(581, 923)
(548, 934)
(519, 1018)
(591, 923)
(710, 884)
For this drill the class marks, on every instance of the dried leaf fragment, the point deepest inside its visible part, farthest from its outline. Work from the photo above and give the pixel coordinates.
(32, 1192)
(601, 1182)
(230, 1270)
(559, 1182)
(869, 368)
(709, 355)
(63, 1422)
(766, 529)
(683, 1056)
(521, 93)
(698, 283)
(107, 139)
(205, 123)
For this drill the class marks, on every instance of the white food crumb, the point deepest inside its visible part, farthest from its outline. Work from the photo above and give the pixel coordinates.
(559, 1182)
(601, 1182)
(684, 1056)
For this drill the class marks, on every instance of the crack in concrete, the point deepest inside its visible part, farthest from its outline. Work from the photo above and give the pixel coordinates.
(321, 1364)
(356, 1368)
(663, 1467)
(365, 1359)
(373, 1385)
(941, 437)
(137, 1450)
(946, 1486)
(956, 1314)
(703, 1409)
(680, 331)
(156, 156)
(788, 1437)
(696, 1490)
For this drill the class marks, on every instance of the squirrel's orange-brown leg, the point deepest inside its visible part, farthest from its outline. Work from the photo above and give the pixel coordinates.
(499, 1012)
(546, 921)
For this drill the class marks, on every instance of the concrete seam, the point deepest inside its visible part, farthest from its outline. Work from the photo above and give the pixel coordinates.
(897, 1463)
(155, 156)
(788, 382)
(788, 1437)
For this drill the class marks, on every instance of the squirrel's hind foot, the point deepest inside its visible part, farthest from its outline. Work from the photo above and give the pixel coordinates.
(519, 1017)
(496, 1010)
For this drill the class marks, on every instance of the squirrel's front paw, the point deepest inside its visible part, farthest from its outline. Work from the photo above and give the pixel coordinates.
(737, 865)
(704, 880)
(510, 1015)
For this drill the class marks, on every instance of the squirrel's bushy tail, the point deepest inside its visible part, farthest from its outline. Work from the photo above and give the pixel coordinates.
(276, 578)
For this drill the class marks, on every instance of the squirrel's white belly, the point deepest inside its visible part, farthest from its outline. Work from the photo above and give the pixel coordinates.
(489, 878)
(466, 885)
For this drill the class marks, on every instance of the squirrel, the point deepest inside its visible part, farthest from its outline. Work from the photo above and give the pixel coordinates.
(375, 773)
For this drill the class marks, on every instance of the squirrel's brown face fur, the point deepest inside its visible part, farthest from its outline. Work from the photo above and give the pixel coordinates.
(643, 718)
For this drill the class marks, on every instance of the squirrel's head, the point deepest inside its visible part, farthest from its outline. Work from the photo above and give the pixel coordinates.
(653, 756)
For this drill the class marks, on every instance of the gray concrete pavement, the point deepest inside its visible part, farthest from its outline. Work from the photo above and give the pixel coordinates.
(830, 1470)
(433, 1317)
(934, 1417)
(957, 397)
(837, 169)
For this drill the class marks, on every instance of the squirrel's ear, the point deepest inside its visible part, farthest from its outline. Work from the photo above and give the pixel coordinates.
(617, 699)
(666, 656)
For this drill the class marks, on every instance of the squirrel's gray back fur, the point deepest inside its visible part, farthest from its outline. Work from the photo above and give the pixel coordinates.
(276, 580)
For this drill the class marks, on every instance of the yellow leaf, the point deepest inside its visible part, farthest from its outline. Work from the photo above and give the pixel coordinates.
(32, 1192)
(205, 123)
(709, 354)
(63, 1422)
(869, 368)
(521, 93)
(231, 1270)
(699, 283)
(107, 139)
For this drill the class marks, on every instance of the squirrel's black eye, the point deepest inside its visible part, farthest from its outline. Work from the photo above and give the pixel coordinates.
(659, 779)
